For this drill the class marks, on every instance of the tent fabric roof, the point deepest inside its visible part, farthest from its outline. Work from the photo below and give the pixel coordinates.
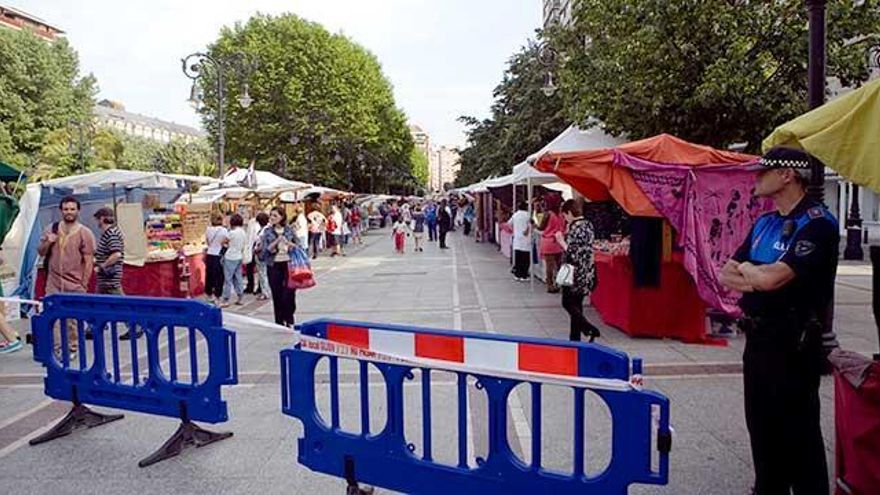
(123, 178)
(844, 134)
(265, 182)
(596, 175)
(576, 139)
(8, 173)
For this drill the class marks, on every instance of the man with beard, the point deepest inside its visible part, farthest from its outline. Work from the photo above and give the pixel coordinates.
(68, 248)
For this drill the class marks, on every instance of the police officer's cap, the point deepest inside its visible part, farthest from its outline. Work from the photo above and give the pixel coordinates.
(781, 157)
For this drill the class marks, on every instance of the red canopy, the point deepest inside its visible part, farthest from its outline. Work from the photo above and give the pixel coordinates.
(595, 174)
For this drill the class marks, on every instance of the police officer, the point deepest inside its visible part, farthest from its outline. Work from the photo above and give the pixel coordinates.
(785, 270)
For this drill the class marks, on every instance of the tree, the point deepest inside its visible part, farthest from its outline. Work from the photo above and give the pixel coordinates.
(41, 91)
(523, 120)
(101, 149)
(420, 166)
(710, 71)
(315, 95)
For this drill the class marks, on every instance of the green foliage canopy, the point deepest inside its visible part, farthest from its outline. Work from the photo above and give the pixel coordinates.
(523, 120)
(316, 95)
(711, 71)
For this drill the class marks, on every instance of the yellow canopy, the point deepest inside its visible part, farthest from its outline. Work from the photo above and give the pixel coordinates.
(844, 133)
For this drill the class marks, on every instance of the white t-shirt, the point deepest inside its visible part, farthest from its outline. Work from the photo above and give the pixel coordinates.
(237, 240)
(337, 219)
(301, 227)
(214, 236)
(520, 223)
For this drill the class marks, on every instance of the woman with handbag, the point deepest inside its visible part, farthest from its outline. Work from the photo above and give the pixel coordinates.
(278, 242)
(215, 236)
(577, 276)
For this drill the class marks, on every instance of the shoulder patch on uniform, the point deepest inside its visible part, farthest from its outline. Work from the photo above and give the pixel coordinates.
(804, 247)
(816, 212)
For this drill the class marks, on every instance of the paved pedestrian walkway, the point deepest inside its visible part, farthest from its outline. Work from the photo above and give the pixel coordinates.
(467, 287)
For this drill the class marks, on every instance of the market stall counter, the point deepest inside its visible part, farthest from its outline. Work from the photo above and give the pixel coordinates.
(671, 310)
(160, 278)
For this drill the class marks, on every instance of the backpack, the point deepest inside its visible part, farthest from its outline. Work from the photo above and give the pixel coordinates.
(49, 253)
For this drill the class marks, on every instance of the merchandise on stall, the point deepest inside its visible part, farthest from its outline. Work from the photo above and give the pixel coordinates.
(706, 197)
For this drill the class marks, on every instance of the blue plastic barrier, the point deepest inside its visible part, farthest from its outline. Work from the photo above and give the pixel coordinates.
(384, 458)
(154, 384)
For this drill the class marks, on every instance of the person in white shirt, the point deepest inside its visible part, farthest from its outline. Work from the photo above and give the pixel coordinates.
(215, 236)
(252, 228)
(336, 215)
(521, 242)
(235, 244)
(301, 225)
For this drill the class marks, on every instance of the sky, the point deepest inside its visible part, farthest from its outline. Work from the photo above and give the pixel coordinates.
(443, 57)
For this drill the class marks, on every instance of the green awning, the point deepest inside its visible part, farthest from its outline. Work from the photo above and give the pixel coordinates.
(8, 173)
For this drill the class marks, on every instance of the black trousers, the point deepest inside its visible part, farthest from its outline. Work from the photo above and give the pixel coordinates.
(467, 227)
(573, 302)
(521, 260)
(781, 380)
(249, 273)
(283, 298)
(443, 233)
(432, 230)
(314, 242)
(214, 278)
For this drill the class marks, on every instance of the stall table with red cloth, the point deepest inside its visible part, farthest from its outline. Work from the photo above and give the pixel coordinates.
(154, 279)
(674, 309)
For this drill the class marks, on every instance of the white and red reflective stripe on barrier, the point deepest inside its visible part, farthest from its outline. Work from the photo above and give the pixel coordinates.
(354, 348)
(494, 354)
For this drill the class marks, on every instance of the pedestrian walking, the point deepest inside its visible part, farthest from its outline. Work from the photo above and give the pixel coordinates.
(215, 236)
(431, 220)
(265, 291)
(551, 223)
(418, 228)
(468, 217)
(578, 246)
(301, 225)
(317, 226)
(235, 243)
(355, 224)
(249, 261)
(334, 228)
(278, 242)
(444, 222)
(399, 232)
(522, 246)
(68, 248)
(786, 269)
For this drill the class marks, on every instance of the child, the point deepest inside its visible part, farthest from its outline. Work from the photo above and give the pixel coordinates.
(418, 222)
(399, 231)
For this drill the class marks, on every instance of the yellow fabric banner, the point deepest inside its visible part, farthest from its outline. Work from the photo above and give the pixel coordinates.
(844, 133)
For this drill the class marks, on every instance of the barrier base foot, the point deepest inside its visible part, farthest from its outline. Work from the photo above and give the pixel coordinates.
(187, 434)
(359, 490)
(79, 416)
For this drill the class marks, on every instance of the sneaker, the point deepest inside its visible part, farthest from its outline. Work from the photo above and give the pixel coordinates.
(11, 347)
(127, 335)
(224, 304)
(239, 302)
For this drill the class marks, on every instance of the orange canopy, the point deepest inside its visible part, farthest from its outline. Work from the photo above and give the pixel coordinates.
(594, 173)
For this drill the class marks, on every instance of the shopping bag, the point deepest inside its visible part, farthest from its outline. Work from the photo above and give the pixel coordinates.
(306, 283)
(299, 258)
(565, 275)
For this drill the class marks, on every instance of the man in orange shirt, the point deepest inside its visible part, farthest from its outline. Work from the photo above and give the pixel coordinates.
(69, 249)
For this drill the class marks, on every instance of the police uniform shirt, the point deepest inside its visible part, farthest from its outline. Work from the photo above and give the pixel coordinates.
(807, 240)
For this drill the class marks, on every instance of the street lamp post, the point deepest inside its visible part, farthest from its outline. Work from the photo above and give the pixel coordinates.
(194, 66)
(816, 85)
(81, 129)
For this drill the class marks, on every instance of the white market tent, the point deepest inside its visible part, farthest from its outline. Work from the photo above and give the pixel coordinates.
(94, 190)
(240, 182)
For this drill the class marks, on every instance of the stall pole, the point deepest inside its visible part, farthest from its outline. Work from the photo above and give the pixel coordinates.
(510, 260)
(113, 186)
(531, 236)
